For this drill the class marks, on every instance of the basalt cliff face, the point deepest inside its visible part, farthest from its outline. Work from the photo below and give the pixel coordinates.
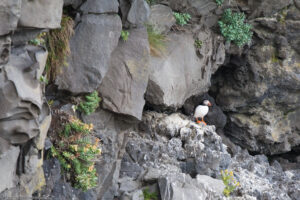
(150, 83)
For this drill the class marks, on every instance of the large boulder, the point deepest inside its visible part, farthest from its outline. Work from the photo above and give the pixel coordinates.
(10, 11)
(195, 7)
(41, 13)
(183, 71)
(139, 12)
(125, 83)
(161, 18)
(183, 187)
(94, 40)
(100, 6)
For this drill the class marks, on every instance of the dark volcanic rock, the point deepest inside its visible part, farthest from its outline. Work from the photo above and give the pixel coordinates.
(260, 89)
(125, 83)
(94, 40)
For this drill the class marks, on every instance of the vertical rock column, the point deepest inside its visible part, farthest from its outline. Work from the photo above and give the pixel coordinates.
(24, 113)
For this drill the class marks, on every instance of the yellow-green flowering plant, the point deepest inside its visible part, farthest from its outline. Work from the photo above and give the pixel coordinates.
(229, 182)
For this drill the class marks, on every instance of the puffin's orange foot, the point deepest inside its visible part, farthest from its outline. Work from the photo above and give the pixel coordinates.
(199, 122)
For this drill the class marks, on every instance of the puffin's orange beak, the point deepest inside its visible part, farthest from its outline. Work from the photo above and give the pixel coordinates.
(209, 104)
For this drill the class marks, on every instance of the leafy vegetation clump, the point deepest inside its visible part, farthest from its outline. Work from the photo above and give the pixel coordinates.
(157, 41)
(39, 40)
(182, 18)
(229, 182)
(90, 104)
(77, 151)
(124, 35)
(43, 79)
(198, 43)
(149, 196)
(233, 28)
(151, 2)
(57, 42)
(219, 2)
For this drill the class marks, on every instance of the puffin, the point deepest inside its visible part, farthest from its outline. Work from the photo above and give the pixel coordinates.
(201, 111)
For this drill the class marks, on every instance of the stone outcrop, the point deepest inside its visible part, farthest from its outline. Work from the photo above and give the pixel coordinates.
(24, 115)
(180, 73)
(260, 88)
(9, 15)
(161, 18)
(125, 83)
(41, 14)
(102, 6)
(194, 7)
(92, 44)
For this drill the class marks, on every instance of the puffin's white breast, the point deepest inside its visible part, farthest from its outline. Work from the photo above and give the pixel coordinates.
(201, 111)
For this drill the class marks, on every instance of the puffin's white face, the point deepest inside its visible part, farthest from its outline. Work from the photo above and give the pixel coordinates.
(207, 103)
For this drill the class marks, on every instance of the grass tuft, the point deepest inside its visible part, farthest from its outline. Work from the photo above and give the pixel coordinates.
(157, 41)
(57, 42)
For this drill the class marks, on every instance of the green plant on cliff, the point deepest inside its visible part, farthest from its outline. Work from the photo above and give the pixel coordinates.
(281, 17)
(233, 28)
(151, 2)
(124, 35)
(157, 41)
(149, 195)
(229, 182)
(58, 46)
(39, 40)
(182, 18)
(77, 153)
(198, 43)
(90, 104)
(43, 79)
(219, 2)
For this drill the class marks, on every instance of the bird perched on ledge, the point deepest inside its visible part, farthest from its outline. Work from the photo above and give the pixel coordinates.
(201, 111)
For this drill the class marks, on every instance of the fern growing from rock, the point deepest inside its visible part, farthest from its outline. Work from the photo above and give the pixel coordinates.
(233, 28)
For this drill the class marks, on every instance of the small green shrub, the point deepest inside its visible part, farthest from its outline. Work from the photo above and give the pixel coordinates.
(149, 196)
(77, 153)
(39, 40)
(219, 2)
(157, 41)
(151, 2)
(282, 16)
(44, 79)
(233, 28)
(124, 35)
(182, 18)
(229, 182)
(90, 104)
(274, 58)
(198, 43)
